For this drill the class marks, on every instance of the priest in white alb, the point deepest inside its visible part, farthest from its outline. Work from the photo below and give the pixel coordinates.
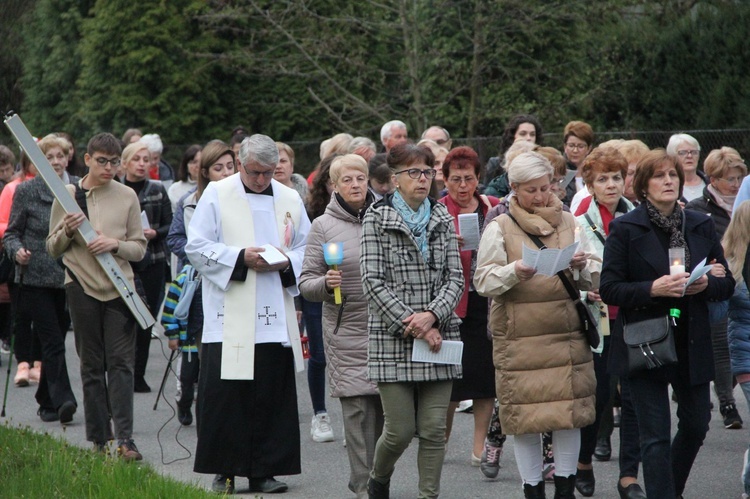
(247, 239)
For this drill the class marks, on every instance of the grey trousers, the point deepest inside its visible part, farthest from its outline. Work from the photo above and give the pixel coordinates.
(400, 426)
(724, 381)
(105, 342)
(363, 425)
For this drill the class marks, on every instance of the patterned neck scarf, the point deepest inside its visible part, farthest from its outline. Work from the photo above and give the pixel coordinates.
(671, 225)
(415, 220)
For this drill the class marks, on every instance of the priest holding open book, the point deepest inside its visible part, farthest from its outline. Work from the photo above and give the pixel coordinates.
(247, 239)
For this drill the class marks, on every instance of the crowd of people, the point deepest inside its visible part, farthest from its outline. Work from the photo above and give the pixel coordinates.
(378, 267)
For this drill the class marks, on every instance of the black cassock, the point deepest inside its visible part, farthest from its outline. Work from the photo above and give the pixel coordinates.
(248, 428)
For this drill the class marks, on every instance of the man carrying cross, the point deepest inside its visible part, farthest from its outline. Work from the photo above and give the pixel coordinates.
(247, 398)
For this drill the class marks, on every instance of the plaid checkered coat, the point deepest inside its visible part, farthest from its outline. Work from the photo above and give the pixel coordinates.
(398, 282)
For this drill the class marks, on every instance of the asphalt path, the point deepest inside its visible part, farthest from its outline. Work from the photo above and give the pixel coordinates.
(325, 468)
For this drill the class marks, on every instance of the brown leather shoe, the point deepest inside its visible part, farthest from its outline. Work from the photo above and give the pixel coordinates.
(127, 450)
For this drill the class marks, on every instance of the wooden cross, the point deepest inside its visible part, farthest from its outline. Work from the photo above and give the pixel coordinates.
(267, 316)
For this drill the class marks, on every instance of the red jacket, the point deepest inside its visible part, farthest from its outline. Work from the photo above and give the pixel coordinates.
(486, 202)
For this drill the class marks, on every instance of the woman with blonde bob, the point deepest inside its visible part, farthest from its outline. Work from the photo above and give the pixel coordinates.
(345, 324)
(736, 243)
(544, 368)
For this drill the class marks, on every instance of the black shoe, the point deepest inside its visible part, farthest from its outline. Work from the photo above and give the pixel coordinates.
(632, 491)
(267, 485)
(732, 419)
(378, 490)
(534, 491)
(223, 484)
(140, 385)
(47, 415)
(565, 487)
(585, 482)
(65, 411)
(603, 449)
(184, 416)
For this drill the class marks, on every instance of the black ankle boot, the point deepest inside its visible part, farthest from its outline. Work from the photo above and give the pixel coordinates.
(534, 491)
(565, 487)
(378, 490)
(585, 482)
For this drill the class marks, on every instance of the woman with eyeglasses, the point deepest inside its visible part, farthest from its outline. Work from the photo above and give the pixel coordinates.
(544, 369)
(461, 170)
(578, 140)
(687, 151)
(725, 169)
(40, 292)
(411, 272)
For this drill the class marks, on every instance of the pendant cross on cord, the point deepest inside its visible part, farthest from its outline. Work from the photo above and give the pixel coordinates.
(266, 316)
(237, 347)
(209, 258)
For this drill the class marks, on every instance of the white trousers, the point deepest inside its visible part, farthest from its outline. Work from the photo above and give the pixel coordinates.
(528, 451)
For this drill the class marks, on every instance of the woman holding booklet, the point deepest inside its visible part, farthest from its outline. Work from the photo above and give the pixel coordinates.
(468, 208)
(411, 273)
(544, 368)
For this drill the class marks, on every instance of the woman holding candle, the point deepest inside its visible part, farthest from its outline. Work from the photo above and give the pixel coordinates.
(345, 325)
(461, 170)
(636, 277)
(544, 369)
(412, 279)
(603, 172)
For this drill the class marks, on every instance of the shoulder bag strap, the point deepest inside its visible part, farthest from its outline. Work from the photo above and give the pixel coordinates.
(594, 227)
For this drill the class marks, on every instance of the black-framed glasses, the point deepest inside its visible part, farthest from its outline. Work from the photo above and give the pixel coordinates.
(688, 152)
(415, 173)
(102, 161)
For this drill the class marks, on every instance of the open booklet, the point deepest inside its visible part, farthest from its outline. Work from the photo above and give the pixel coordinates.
(450, 352)
(699, 271)
(549, 261)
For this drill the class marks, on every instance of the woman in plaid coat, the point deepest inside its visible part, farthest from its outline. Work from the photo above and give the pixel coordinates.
(411, 273)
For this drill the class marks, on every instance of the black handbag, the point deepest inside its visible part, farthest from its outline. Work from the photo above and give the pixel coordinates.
(650, 344)
(588, 321)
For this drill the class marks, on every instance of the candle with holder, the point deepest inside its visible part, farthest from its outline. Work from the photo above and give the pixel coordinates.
(334, 256)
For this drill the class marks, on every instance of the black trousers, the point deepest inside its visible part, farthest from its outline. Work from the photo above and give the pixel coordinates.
(47, 308)
(152, 279)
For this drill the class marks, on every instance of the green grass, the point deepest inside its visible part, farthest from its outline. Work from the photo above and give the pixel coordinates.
(35, 465)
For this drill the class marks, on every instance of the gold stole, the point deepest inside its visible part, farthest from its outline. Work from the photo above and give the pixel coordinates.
(238, 351)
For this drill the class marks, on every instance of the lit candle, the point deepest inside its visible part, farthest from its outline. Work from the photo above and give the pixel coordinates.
(676, 268)
(334, 256)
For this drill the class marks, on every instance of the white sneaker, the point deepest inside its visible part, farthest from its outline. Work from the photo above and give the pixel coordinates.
(321, 430)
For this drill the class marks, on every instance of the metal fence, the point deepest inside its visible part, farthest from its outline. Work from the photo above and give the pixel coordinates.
(307, 153)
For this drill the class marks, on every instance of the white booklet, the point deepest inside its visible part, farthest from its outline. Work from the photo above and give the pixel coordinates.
(450, 352)
(468, 228)
(699, 271)
(144, 220)
(272, 255)
(549, 261)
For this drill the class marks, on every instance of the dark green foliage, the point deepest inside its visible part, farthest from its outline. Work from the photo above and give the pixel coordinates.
(191, 70)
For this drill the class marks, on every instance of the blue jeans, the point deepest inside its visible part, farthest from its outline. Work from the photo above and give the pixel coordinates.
(312, 314)
(666, 467)
(746, 472)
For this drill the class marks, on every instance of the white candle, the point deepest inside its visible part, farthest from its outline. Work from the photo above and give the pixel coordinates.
(676, 268)
(576, 237)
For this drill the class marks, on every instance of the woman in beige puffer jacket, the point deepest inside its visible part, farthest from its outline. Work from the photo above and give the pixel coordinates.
(544, 369)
